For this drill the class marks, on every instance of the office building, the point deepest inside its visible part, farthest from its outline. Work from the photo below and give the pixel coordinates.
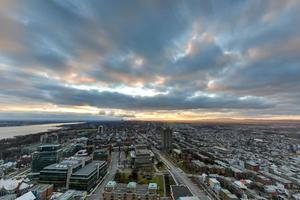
(130, 191)
(88, 176)
(78, 173)
(45, 155)
(59, 174)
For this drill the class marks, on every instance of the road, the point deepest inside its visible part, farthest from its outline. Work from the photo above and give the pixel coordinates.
(181, 177)
(97, 193)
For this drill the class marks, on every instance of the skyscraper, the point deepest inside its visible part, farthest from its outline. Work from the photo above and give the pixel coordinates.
(166, 139)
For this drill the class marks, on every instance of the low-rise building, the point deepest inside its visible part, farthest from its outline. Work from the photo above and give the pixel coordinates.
(130, 191)
(142, 158)
(214, 184)
(226, 195)
(71, 195)
(59, 174)
(179, 191)
(87, 177)
(42, 191)
(252, 166)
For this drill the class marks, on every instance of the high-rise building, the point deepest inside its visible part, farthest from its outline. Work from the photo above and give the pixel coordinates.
(166, 139)
(100, 130)
(45, 155)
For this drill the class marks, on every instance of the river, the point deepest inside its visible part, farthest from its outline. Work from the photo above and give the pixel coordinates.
(11, 131)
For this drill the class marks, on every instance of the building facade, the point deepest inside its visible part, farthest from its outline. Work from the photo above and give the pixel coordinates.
(45, 155)
(142, 158)
(88, 176)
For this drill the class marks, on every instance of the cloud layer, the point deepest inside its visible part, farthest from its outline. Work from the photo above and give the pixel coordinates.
(151, 56)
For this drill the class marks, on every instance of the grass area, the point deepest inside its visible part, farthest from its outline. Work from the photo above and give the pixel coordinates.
(160, 182)
(124, 176)
(161, 166)
(182, 165)
(154, 179)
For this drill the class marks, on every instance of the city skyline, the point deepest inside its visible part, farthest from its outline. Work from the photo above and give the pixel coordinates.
(149, 60)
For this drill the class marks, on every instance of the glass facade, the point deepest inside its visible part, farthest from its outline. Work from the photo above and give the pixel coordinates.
(46, 155)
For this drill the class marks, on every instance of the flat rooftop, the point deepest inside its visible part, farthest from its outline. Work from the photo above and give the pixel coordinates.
(88, 169)
(180, 191)
(41, 187)
(123, 188)
(62, 165)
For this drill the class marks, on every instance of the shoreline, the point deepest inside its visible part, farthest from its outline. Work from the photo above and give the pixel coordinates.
(11, 132)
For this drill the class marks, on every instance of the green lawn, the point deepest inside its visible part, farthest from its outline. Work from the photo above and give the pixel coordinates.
(155, 179)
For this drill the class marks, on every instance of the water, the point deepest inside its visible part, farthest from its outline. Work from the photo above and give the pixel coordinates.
(11, 131)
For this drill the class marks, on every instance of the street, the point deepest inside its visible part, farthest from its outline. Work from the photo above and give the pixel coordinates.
(112, 169)
(181, 178)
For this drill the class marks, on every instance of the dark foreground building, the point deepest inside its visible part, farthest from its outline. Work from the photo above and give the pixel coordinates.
(45, 155)
(74, 174)
(87, 177)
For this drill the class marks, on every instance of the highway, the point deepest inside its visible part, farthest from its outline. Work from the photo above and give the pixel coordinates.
(181, 177)
(97, 193)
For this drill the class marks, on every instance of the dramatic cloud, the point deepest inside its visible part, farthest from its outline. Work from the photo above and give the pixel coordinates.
(141, 57)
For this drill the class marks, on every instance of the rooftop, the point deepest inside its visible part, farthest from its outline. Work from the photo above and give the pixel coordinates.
(189, 198)
(27, 196)
(131, 185)
(41, 187)
(152, 186)
(89, 168)
(63, 165)
(180, 191)
(111, 184)
(70, 193)
(122, 188)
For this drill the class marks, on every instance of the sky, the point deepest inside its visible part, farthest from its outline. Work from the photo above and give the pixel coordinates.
(149, 60)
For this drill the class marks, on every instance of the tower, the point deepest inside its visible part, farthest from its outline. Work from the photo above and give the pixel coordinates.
(166, 139)
(100, 130)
